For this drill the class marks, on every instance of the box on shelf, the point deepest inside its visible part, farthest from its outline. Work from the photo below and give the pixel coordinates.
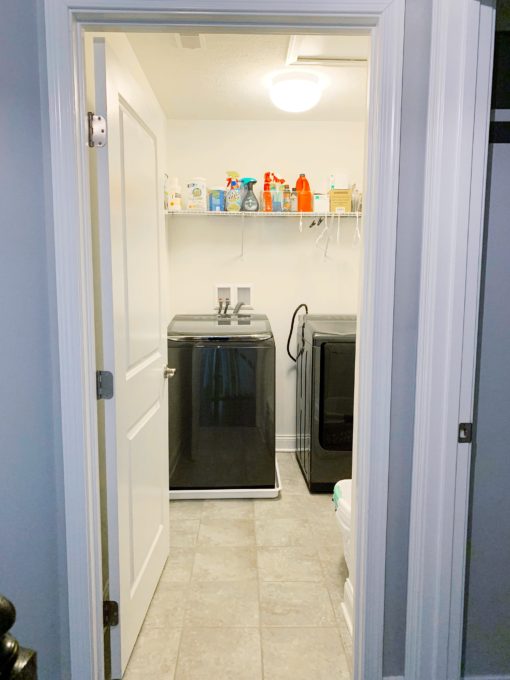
(320, 203)
(340, 200)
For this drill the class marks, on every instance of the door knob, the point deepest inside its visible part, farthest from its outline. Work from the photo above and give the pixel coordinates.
(169, 372)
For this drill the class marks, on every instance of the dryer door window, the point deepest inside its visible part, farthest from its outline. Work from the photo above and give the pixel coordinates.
(336, 395)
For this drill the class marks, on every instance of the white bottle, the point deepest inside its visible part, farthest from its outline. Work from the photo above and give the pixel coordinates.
(196, 195)
(174, 195)
(165, 193)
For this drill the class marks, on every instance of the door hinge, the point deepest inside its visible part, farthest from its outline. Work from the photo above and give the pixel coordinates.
(97, 130)
(104, 384)
(110, 613)
(465, 433)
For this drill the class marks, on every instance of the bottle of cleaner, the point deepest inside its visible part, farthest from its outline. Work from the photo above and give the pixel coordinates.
(233, 192)
(305, 197)
(277, 197)
(266, 196)
(286, 198)
(174, 196)
(250, 202)
(165, 193)
(293, 200)
(233, 197)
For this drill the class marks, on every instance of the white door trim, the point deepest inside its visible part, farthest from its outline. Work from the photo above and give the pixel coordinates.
(457, 146)
(385, 19)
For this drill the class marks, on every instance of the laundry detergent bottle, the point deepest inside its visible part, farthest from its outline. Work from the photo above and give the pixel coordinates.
(250, 202)
(305, 197)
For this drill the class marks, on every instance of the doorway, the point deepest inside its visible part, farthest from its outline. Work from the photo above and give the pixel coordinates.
(384, 90)
(220, 438)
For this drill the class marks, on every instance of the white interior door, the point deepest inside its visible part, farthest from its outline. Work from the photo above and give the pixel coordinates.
(131, 227)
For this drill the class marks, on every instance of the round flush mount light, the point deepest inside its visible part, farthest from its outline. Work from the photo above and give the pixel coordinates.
(296, 92)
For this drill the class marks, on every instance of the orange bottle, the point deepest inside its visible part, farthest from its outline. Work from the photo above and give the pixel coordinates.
(267, 198)
(305, 198)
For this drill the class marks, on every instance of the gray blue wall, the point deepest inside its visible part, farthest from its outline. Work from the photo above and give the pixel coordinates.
(31, 515)
(31, 534)
(487, 614)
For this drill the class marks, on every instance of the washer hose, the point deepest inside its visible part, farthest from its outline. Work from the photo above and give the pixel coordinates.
(292, 330)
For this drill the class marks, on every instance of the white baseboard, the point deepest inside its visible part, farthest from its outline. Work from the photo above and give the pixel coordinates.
(286, 442)
(486, 677)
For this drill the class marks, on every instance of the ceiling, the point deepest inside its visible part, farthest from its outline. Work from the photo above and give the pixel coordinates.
(219, 76)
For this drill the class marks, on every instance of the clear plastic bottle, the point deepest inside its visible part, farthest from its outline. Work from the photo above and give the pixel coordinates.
(293, 200)
(174, 195)
(286, 198)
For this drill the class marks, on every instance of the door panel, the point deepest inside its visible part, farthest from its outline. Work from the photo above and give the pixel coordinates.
(140, 182)
(131, 226)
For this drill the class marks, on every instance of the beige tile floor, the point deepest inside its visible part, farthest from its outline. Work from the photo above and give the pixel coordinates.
(251, 590)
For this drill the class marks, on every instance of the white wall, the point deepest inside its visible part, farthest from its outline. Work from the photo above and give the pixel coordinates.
(284, 265)
(208, 148)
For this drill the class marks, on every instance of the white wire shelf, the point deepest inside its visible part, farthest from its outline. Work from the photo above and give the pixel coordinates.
(258, 214)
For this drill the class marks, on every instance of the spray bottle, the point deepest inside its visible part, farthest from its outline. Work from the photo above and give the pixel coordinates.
(250, 202)
(266, 197)
(233, 194)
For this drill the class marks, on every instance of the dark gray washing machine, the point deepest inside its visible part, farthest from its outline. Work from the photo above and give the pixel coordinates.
(326, 346)
(221, 402)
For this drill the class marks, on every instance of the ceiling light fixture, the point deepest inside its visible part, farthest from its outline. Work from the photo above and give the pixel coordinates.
(296, 92)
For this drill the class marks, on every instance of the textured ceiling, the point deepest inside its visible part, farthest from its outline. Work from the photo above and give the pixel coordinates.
(223, 78)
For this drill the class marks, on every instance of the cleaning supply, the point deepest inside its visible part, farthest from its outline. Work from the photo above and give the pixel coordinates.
(277, 197)
(355, 199)
(265, 196)
(174, 196)
(165, 193)
(286, 198)
(233, 192)
(340, 200)
(293, 200)
(305, 197)
(249, 201)
(196, 195)
(320, 203)
(277, 192)
(217, 199)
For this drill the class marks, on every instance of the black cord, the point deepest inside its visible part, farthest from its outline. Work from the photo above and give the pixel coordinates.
(292, 329)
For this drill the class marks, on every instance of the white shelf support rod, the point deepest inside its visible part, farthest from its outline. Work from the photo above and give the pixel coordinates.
(242, 236)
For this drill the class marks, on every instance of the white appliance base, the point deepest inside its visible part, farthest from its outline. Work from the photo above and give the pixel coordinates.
(348, 605)
(193, 494)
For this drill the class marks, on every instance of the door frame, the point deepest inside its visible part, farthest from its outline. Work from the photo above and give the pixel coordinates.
(64, 20)
(455, 180)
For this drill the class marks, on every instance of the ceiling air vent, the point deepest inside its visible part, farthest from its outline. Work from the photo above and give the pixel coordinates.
(190, 41)
(328, 50)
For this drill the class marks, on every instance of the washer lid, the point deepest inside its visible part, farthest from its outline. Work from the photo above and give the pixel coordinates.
(245, 327)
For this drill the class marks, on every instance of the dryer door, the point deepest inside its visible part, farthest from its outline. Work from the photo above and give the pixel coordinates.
(336, 395)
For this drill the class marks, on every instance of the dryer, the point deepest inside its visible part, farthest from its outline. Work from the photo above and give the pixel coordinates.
(325, 398)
